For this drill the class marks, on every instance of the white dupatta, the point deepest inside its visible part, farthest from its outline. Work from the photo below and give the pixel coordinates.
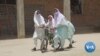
(59, 18)
(38, 19)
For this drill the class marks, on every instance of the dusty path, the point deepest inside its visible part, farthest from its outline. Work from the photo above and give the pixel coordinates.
(22, 47)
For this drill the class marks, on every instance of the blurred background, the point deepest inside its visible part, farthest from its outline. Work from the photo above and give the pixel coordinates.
(85, 15)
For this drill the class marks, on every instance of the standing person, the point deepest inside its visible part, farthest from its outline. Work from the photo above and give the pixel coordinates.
(64, 30)
(51, 31)
(39, 31)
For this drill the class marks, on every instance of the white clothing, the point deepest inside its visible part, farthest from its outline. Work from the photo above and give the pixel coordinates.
(50, 25)
(39, 32)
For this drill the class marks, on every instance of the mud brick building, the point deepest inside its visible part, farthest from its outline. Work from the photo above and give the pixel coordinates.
(16, 16)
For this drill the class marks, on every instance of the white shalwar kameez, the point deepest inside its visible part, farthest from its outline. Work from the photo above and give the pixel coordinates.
(39, 32)
(50, 24)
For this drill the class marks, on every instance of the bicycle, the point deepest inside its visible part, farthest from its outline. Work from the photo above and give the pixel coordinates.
(44, 43)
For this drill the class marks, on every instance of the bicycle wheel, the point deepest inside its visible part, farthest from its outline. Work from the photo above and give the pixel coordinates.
(44, 45)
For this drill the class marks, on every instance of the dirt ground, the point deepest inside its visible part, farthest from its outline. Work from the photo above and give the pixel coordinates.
(23, 47)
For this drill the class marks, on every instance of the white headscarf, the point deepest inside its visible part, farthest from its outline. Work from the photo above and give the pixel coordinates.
(51, 23)
(59, 17)
(38, 19)
(58, 14)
